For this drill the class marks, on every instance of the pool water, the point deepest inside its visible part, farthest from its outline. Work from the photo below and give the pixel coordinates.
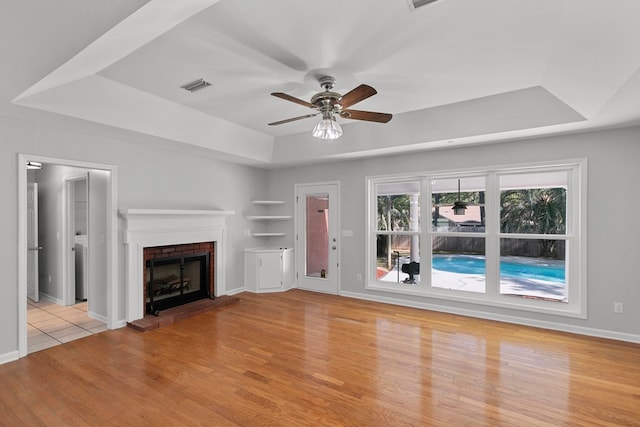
(510, 267)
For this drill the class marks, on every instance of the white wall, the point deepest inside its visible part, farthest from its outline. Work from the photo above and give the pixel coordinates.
(151, 173)
(98, 220)
(81, 203)
(613, 237)
(50, 226)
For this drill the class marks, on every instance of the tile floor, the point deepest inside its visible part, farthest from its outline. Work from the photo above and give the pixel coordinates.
(50, 324)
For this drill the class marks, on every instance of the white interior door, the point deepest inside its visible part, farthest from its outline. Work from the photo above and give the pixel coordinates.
(32, 241)
(317, 239)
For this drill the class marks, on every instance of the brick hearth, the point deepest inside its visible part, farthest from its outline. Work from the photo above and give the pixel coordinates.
(175, 314)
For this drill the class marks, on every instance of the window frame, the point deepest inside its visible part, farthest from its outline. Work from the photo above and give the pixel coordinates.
(575, 237)
(405, 179)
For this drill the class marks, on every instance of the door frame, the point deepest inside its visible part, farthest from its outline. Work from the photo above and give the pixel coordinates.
(111, 243)
(299, 251)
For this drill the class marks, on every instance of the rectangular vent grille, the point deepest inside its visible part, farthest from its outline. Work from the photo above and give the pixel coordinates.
(414, 4)
(196, 85)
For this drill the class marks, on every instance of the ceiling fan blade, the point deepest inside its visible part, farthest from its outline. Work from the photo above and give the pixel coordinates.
(358, 94)
(368, 116)
(292, 119)
(293, 99)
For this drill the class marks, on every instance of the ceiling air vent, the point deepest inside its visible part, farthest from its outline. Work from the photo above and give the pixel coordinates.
(196, 85)
(414, 4)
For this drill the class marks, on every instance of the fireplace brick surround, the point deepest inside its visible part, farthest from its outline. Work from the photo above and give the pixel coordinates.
(168, 251)
(152, 228)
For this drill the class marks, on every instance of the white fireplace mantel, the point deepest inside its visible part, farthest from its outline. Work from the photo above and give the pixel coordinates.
(159, 227)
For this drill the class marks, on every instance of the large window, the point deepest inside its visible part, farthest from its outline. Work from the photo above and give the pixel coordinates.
(397, 230)
(457, 234)
(510, 237)
(533, 232)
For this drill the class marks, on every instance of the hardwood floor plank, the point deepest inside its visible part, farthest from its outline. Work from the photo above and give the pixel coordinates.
(307, 359)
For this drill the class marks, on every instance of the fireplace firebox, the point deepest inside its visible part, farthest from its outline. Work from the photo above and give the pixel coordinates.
(177, 280)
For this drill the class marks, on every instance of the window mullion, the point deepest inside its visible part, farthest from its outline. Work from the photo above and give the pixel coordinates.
(492, 228)
(427, 235)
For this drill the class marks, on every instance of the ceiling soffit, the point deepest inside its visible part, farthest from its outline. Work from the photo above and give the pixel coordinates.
(452, 70)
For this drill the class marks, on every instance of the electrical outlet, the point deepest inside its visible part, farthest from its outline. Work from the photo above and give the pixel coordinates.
(49, 278)
(618, 307)
(359, 277)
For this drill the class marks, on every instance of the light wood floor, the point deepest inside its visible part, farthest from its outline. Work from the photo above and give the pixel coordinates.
(307, 359)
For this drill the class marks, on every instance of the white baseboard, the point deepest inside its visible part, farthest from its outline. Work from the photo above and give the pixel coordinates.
(234, 291)
(267, 291)
(9, 357)
(580, 330)
(97, 316)
(119, 324)
(47, 297)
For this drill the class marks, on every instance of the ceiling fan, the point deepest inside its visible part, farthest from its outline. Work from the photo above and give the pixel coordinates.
(330, 103)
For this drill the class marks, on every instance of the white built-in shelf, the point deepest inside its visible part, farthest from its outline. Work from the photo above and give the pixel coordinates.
(268, 217)
(267, 202)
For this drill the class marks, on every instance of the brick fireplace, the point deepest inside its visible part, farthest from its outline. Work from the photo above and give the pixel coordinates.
(155, 234)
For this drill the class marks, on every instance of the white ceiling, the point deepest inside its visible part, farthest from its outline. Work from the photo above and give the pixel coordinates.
(454, 72)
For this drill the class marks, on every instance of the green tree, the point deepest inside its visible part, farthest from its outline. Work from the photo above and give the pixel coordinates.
(394, 212)
(447, 199)
(535, 211)
(393, 215)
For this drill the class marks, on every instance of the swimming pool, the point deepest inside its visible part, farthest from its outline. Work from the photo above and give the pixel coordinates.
(510, 267)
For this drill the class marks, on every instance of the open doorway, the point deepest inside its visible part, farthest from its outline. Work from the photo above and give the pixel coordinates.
(77, 195)
(75, 246)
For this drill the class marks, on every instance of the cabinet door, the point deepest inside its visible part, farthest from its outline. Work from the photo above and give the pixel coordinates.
(270, 270)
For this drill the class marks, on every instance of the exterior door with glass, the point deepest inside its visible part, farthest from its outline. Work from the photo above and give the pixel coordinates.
(317, 240)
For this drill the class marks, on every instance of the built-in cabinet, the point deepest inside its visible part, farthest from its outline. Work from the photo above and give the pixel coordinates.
(265, 218)
(268, 269)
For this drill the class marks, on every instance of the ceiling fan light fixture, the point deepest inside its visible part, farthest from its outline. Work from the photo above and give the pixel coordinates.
(327, 128)
(459, 207)
(330, 104)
